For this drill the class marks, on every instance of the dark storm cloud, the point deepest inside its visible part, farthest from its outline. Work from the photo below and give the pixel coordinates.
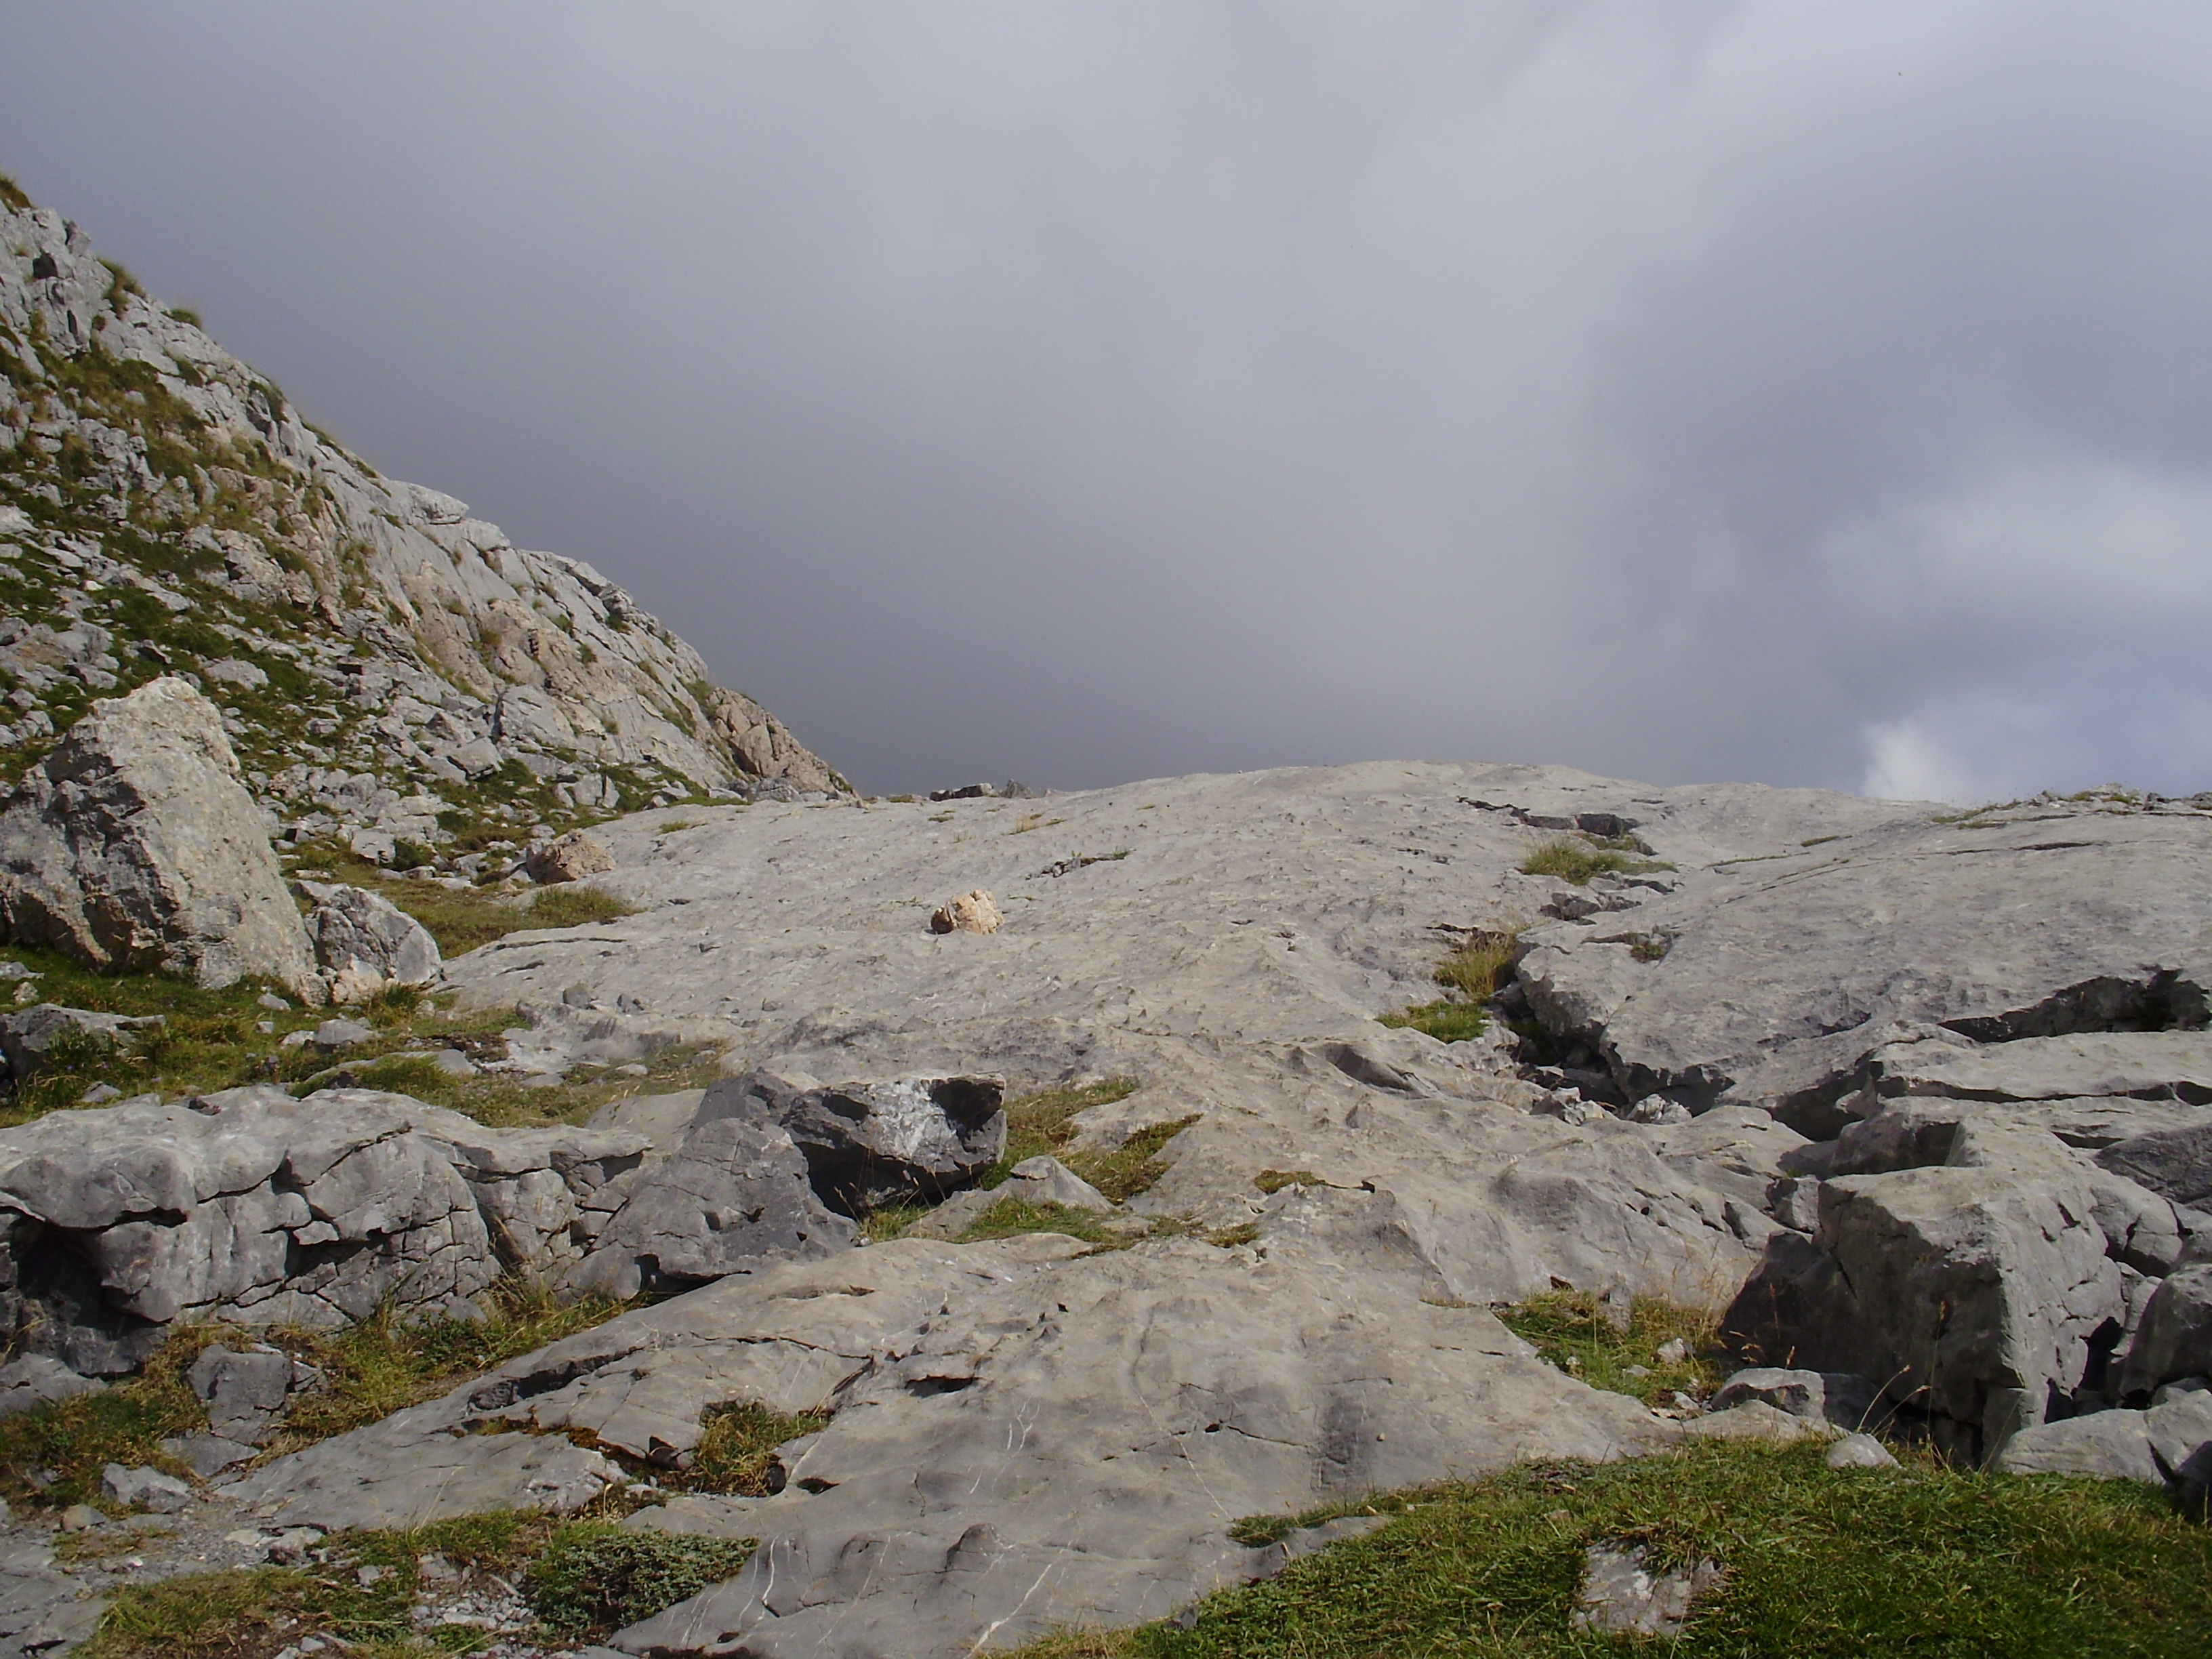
(1812, 392)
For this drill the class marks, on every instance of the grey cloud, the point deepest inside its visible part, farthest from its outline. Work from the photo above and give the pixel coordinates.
(1086, 391)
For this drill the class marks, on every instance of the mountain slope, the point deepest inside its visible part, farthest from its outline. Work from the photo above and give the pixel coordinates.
(381, 656)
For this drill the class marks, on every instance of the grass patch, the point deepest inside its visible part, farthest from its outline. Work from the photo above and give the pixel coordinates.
(1570, 1330)
(1274, 1181)
(1576, 861)
(1477, 970)
(889, 1221)
(373, 1369)
(738, 1443)
(1922, 1559)
(596, 1577)
(1045, 1122)
(1011, 1216)
(569, 906)
(52, 1458)
(384, 1363)
(583, 1579)
(1447, 1022)
(1135, 1166)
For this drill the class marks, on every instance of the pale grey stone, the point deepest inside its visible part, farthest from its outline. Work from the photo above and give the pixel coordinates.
(208, 1454)
(363, 942)
(1860, 1451)
(234, 670)
(2173, 1339)
(134, 847)
(474, 758)
(733, 1197)
(570, 858)
(144, 1488)
(1973, 1291)
(33, 1380)
(2175, 1163)
(1110, 1411)
(342, 1034)
(444, 1477)
(243, 1392)
(1623, 1593)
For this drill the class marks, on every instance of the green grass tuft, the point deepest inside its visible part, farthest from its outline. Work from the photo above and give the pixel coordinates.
(1011, 1216)
(569, 906)
(1821, 1563)
(1569, 1329)
(1447, 1022)
(1274, 1181)
(1576, 861)
(738, 1443)
(596, 1577)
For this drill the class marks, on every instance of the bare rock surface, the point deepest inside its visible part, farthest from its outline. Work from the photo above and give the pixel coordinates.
(2043, 919)
(136, 847)
(1025, 1433)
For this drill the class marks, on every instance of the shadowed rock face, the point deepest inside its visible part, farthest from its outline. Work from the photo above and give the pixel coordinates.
(135, 848)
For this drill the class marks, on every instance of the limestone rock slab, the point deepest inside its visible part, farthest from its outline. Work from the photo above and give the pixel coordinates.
(134, 847)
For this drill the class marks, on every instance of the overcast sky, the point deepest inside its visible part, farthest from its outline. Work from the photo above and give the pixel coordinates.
(1811, 393)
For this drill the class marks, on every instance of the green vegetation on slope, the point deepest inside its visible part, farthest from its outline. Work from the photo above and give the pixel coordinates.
(1820, 1563)
(52, 1458)
(1572, 1330)
(1476, 971)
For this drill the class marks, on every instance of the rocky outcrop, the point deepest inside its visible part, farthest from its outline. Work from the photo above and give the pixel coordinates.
(570, 858)
(364, 942)
(732, 1198)
(1785, 980)
(380, 655)
(31, 1038)
(135, 848)
(870, 1144)
(254, 1208)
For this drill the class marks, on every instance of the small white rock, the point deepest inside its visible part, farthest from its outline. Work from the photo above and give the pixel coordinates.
(1860, 1451)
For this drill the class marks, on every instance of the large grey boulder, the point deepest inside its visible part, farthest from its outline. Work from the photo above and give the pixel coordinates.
(133, 847)
(2171, 1443)
(363, 942)
(2176, 1164)
(254, 1208)
(868, 1144)
(1969, 1292)
(732, 1198)
(2173, 1339)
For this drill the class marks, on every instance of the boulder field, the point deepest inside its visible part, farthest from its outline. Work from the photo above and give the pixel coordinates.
(1921, 1102)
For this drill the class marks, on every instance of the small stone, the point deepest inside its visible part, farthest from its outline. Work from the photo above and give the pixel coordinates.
(370, 1577)
(100, 1094)
(342, 1034)
(1860, 1451)
(77, 1516)
(1672, 1351)
(974, 912)
(145, 1488)
(273, 1003)
(434, 1569)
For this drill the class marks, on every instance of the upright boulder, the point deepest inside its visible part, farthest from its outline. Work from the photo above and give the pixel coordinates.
(133, 847)
(364, 942)
(870, 1144)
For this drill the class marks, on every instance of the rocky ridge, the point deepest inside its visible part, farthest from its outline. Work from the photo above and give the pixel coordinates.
(384, 662)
